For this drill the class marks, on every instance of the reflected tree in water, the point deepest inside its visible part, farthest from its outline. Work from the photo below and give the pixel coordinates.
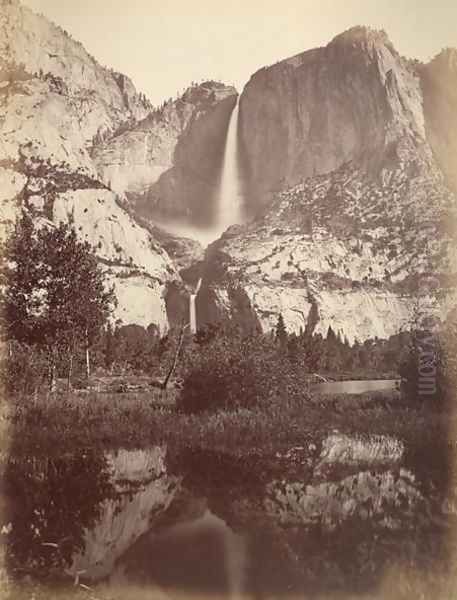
(52, 500)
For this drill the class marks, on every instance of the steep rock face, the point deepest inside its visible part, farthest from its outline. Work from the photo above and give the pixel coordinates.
(354, 100)
(169, 163)
(132, 259)
(359, 236)
(439, 85)
(342, 250)
(56, 102)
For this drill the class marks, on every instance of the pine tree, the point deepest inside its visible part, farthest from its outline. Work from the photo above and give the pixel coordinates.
(293, 348)
(281, 332)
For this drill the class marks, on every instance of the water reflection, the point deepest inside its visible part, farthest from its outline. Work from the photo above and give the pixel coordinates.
(50, 502)
(358, 386)
(74, 515)
(204, 525)
(142, 491)
(202, 555)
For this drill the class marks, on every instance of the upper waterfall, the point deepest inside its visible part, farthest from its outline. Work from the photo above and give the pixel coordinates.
(228, 209)
(230, 200)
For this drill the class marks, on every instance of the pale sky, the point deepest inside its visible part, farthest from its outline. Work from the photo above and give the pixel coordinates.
(164, 45)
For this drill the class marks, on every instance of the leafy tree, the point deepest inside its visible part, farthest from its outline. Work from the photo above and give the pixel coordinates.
(54, 294)
(23, 369)
(429, 367)
(78, 303)
(22, 303)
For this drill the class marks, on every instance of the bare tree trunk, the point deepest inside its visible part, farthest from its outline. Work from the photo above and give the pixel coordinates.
(52, 376)
(70, 366)
(175, 358)
(70, 372)
(87, 356)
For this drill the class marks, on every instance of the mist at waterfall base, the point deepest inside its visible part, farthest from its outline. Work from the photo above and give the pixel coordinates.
(229, 197)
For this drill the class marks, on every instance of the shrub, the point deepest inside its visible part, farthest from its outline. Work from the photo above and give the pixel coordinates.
(222, 375)
(233, 371)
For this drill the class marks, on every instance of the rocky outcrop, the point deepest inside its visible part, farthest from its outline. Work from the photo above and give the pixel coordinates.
(169, 164)
(341, 249)
(349, 159)
(54, 191)
(58, 75)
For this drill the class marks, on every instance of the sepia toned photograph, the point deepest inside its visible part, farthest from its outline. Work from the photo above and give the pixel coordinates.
(228, 301)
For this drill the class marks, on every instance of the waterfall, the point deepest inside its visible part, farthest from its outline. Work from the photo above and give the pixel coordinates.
(193, 313)
(230, 201)
(192, 308)
(228, 198)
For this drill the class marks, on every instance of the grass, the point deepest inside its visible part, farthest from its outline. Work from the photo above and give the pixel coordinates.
(74, 421)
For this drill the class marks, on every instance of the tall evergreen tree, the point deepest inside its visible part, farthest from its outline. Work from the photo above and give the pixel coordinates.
(281, 332)
(294, 348)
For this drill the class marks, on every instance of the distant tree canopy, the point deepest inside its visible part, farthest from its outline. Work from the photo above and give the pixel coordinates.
(53, 293)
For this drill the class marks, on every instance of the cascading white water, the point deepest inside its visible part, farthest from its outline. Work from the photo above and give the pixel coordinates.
(230, 200)
(193, 309)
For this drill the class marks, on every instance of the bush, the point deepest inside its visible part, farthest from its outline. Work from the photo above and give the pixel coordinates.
(233, 371)
(220, 382)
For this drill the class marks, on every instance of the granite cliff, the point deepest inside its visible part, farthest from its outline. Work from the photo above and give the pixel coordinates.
(348, 182)
(355, 99)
